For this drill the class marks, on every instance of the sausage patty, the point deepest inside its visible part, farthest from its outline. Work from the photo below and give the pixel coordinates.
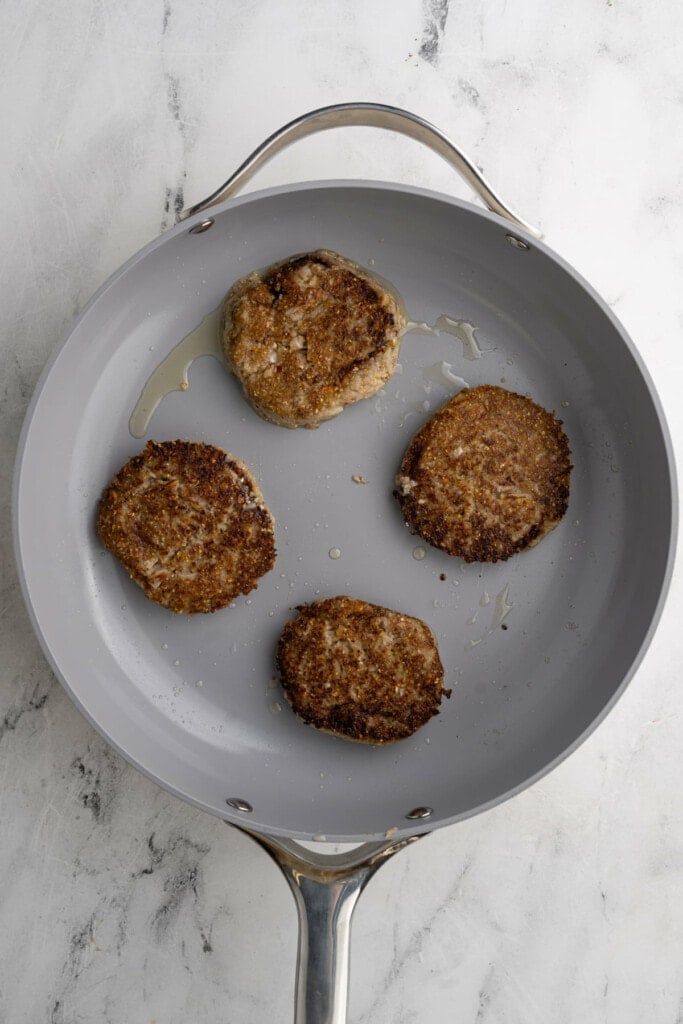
(486, 476)
(189, 524)
(360, 671)
(309, 336)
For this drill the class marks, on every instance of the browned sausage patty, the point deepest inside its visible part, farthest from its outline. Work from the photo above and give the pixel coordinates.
(486, 476)
(360, 671)
(189, 524)
(309, 336)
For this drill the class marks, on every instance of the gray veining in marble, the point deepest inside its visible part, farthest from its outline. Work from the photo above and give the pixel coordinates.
(436, 14)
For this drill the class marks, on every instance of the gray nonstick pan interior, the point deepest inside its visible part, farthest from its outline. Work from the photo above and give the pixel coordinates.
(193, 701)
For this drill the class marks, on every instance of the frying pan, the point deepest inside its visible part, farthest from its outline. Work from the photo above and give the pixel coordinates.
(536, 649)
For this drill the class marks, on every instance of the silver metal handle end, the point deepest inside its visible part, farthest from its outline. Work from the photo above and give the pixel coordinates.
(375, 115)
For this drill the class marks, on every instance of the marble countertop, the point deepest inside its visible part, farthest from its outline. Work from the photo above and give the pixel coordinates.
(122, 904)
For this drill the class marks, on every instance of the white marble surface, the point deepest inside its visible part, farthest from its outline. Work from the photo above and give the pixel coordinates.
(119, 903)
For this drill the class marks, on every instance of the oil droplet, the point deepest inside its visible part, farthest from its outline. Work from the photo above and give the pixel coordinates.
(565, 405)
(164, 647)
(442, 373)
(200, 682)
(176, 662)
(171, 373)
(460, 329)
(503, 606)
(418, 554)
(405, 418)
(334, 553)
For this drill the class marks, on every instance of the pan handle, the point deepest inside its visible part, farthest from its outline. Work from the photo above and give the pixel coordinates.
(374, 115)
(326, 888)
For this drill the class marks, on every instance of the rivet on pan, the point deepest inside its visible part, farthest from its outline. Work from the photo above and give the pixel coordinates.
(518, 243)
(239, 805)
(203, 226)
(420, 812)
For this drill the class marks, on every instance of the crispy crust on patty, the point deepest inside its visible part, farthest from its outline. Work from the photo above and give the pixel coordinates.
(360, 671)
(310, 335)
(189, 524)
(486, 476)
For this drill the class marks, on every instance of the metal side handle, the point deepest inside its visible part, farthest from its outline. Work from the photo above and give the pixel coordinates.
(376, 115)
(326, 889)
